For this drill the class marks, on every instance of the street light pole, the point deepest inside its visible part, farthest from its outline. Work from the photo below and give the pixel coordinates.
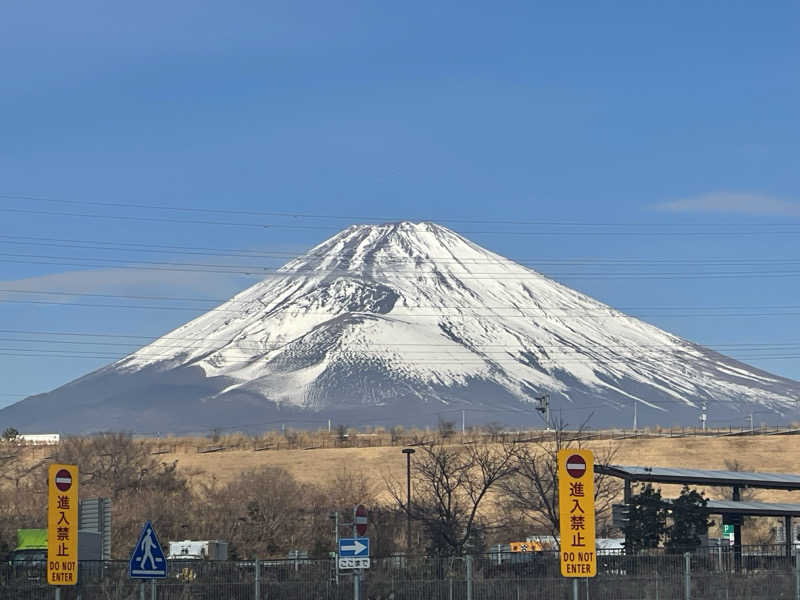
(408, 452)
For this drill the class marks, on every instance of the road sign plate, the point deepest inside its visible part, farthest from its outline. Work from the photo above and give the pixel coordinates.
(148, 560)
(576, 466)
(576, 513)
(357, 547)
(360, 519)
(62, 525)
(353, 562)
(63, 480)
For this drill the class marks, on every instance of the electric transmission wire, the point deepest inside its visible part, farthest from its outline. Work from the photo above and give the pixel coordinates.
(294, 215)
(115, 246)
(251, 270)
(748, 230)
(511, 307)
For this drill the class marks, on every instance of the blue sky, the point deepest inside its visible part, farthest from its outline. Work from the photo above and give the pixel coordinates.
(645, 154)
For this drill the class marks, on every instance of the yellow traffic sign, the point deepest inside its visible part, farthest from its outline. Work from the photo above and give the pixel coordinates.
(576, 513)
(62, 525)
(525, 546)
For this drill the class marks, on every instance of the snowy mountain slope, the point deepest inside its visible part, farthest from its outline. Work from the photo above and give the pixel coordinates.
(403, 322)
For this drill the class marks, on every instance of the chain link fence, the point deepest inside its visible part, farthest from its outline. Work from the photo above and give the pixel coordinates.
(710, 574)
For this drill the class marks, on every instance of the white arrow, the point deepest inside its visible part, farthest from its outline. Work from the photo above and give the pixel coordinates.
(357, 547)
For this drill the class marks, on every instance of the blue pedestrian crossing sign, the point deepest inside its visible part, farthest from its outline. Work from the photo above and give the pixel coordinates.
(148, 560)
(358, 546)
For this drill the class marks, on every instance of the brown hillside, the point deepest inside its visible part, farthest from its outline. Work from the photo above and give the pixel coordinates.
(777, 454)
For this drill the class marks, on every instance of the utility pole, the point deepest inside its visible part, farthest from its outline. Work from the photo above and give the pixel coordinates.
(408, 452)
(543, 406)
(335, 517)
(463, 422)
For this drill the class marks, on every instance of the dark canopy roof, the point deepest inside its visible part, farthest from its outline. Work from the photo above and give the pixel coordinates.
(772, 481)
(756, 509)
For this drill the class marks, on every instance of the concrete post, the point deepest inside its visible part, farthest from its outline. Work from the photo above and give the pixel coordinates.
(737, 534)
(797, 576)
(468, 560)
(626, 498)
(687, 576)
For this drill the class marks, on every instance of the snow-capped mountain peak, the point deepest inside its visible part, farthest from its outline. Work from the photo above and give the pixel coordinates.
(402, 322)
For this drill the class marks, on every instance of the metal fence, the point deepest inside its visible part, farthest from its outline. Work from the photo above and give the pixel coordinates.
(713, 574)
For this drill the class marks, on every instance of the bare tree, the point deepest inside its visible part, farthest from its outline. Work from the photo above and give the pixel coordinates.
(348, 488)
(450, 485)
(530, 495)
(263, 512)
(141, 487)
(17, 466)
(114, 464)
(447, 429)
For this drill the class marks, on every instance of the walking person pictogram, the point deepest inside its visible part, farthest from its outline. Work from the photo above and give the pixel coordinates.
(147, 547)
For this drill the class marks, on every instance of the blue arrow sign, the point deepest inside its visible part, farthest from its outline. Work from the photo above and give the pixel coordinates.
(147, 560)
(354, 546)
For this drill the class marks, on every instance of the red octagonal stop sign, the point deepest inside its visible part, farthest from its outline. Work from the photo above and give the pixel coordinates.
(576, 466)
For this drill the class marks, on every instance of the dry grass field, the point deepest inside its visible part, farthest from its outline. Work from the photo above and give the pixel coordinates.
(315, 460)
(776, 454)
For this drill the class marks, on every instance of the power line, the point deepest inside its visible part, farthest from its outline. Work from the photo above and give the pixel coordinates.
(545, 310)
(743, 231)
(476, 360)
(305, 215)
(399, 344)
(319, 272)
(447, 349)
(209, 251)
(464, 313)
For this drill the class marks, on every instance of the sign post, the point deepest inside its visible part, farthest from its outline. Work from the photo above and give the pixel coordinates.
(359, 528)
(62, 525)
(576, 513)
(727, 533)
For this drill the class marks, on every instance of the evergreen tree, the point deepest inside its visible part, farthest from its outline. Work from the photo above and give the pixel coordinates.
(647, 520)
(689, 521)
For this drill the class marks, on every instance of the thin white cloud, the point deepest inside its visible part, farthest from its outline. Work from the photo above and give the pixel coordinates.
(125, 281)
(733, 203)
(142, 280)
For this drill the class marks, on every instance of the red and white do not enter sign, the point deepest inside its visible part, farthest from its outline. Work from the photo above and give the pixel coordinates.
(576, 466)
(360, 519)
(63, 480)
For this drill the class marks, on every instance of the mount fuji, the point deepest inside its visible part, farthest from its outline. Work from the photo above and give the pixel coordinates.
(407, 323)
